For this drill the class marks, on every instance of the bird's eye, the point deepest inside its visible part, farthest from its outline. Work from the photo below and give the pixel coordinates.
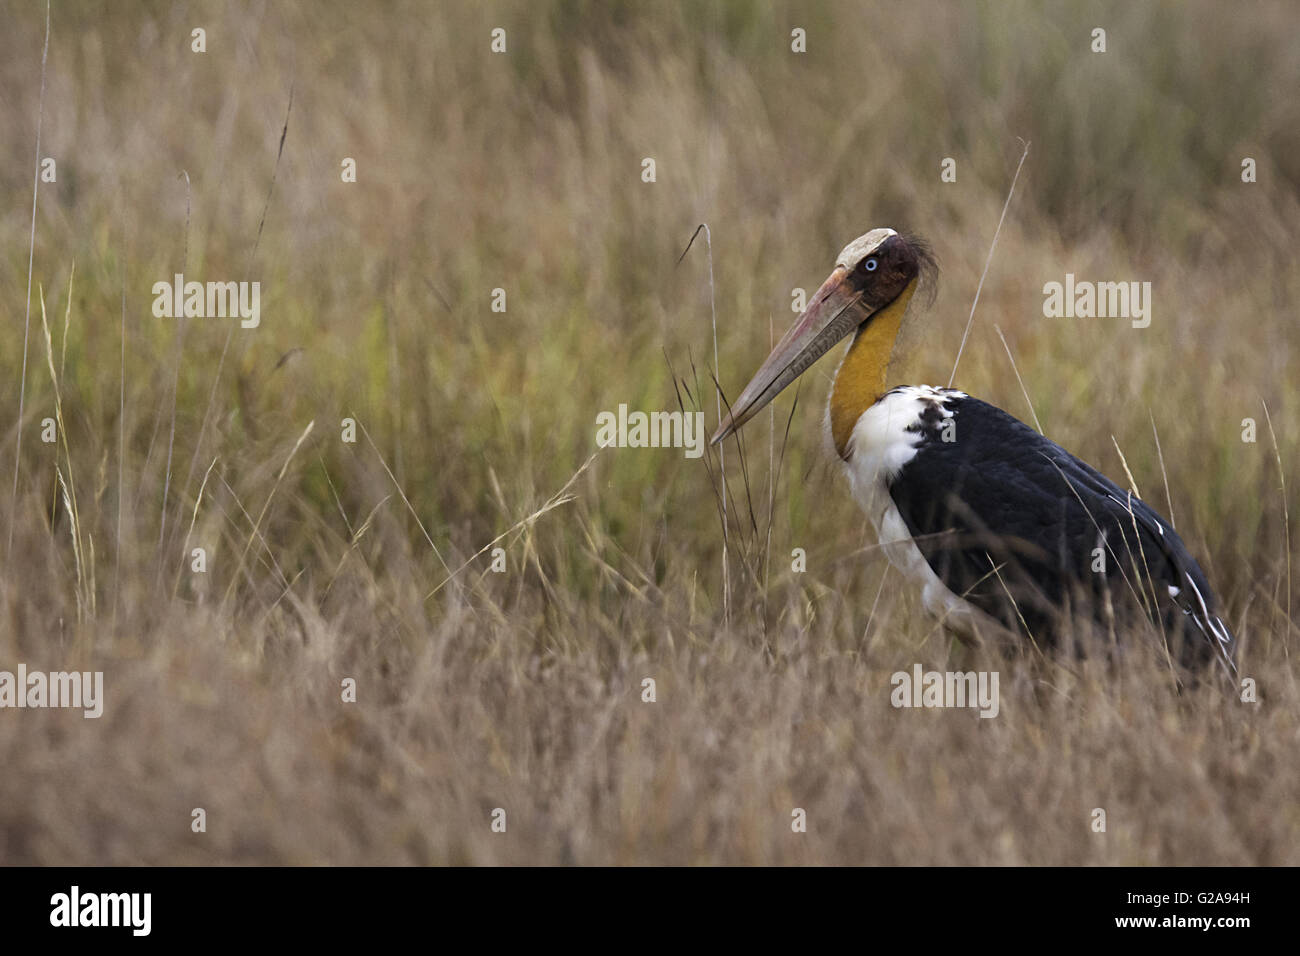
(869, 265)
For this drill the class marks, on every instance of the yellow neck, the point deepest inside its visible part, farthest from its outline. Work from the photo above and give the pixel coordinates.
(863, 373)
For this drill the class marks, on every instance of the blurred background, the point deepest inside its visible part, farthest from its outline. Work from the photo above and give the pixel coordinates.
(522, 171)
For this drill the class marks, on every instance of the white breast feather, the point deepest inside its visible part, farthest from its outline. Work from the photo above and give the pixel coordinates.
(879, 447)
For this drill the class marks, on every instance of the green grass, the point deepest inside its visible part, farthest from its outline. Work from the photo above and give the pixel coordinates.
(522, 690)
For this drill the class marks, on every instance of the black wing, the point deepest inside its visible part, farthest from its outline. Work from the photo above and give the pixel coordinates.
(1023, 529)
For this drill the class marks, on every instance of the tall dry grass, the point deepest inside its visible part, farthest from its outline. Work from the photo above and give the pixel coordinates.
(522, 690)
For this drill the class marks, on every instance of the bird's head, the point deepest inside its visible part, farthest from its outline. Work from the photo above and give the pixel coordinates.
(871, 273)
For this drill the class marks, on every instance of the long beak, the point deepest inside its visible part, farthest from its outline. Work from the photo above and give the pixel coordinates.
(836, 310)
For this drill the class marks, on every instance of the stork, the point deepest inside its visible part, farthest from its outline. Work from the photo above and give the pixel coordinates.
(1004, 530)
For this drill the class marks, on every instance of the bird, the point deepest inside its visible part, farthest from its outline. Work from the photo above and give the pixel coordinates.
(1007, 534)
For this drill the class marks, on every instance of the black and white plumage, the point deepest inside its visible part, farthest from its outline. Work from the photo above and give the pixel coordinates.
(1002, 525)
(1002, 528)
